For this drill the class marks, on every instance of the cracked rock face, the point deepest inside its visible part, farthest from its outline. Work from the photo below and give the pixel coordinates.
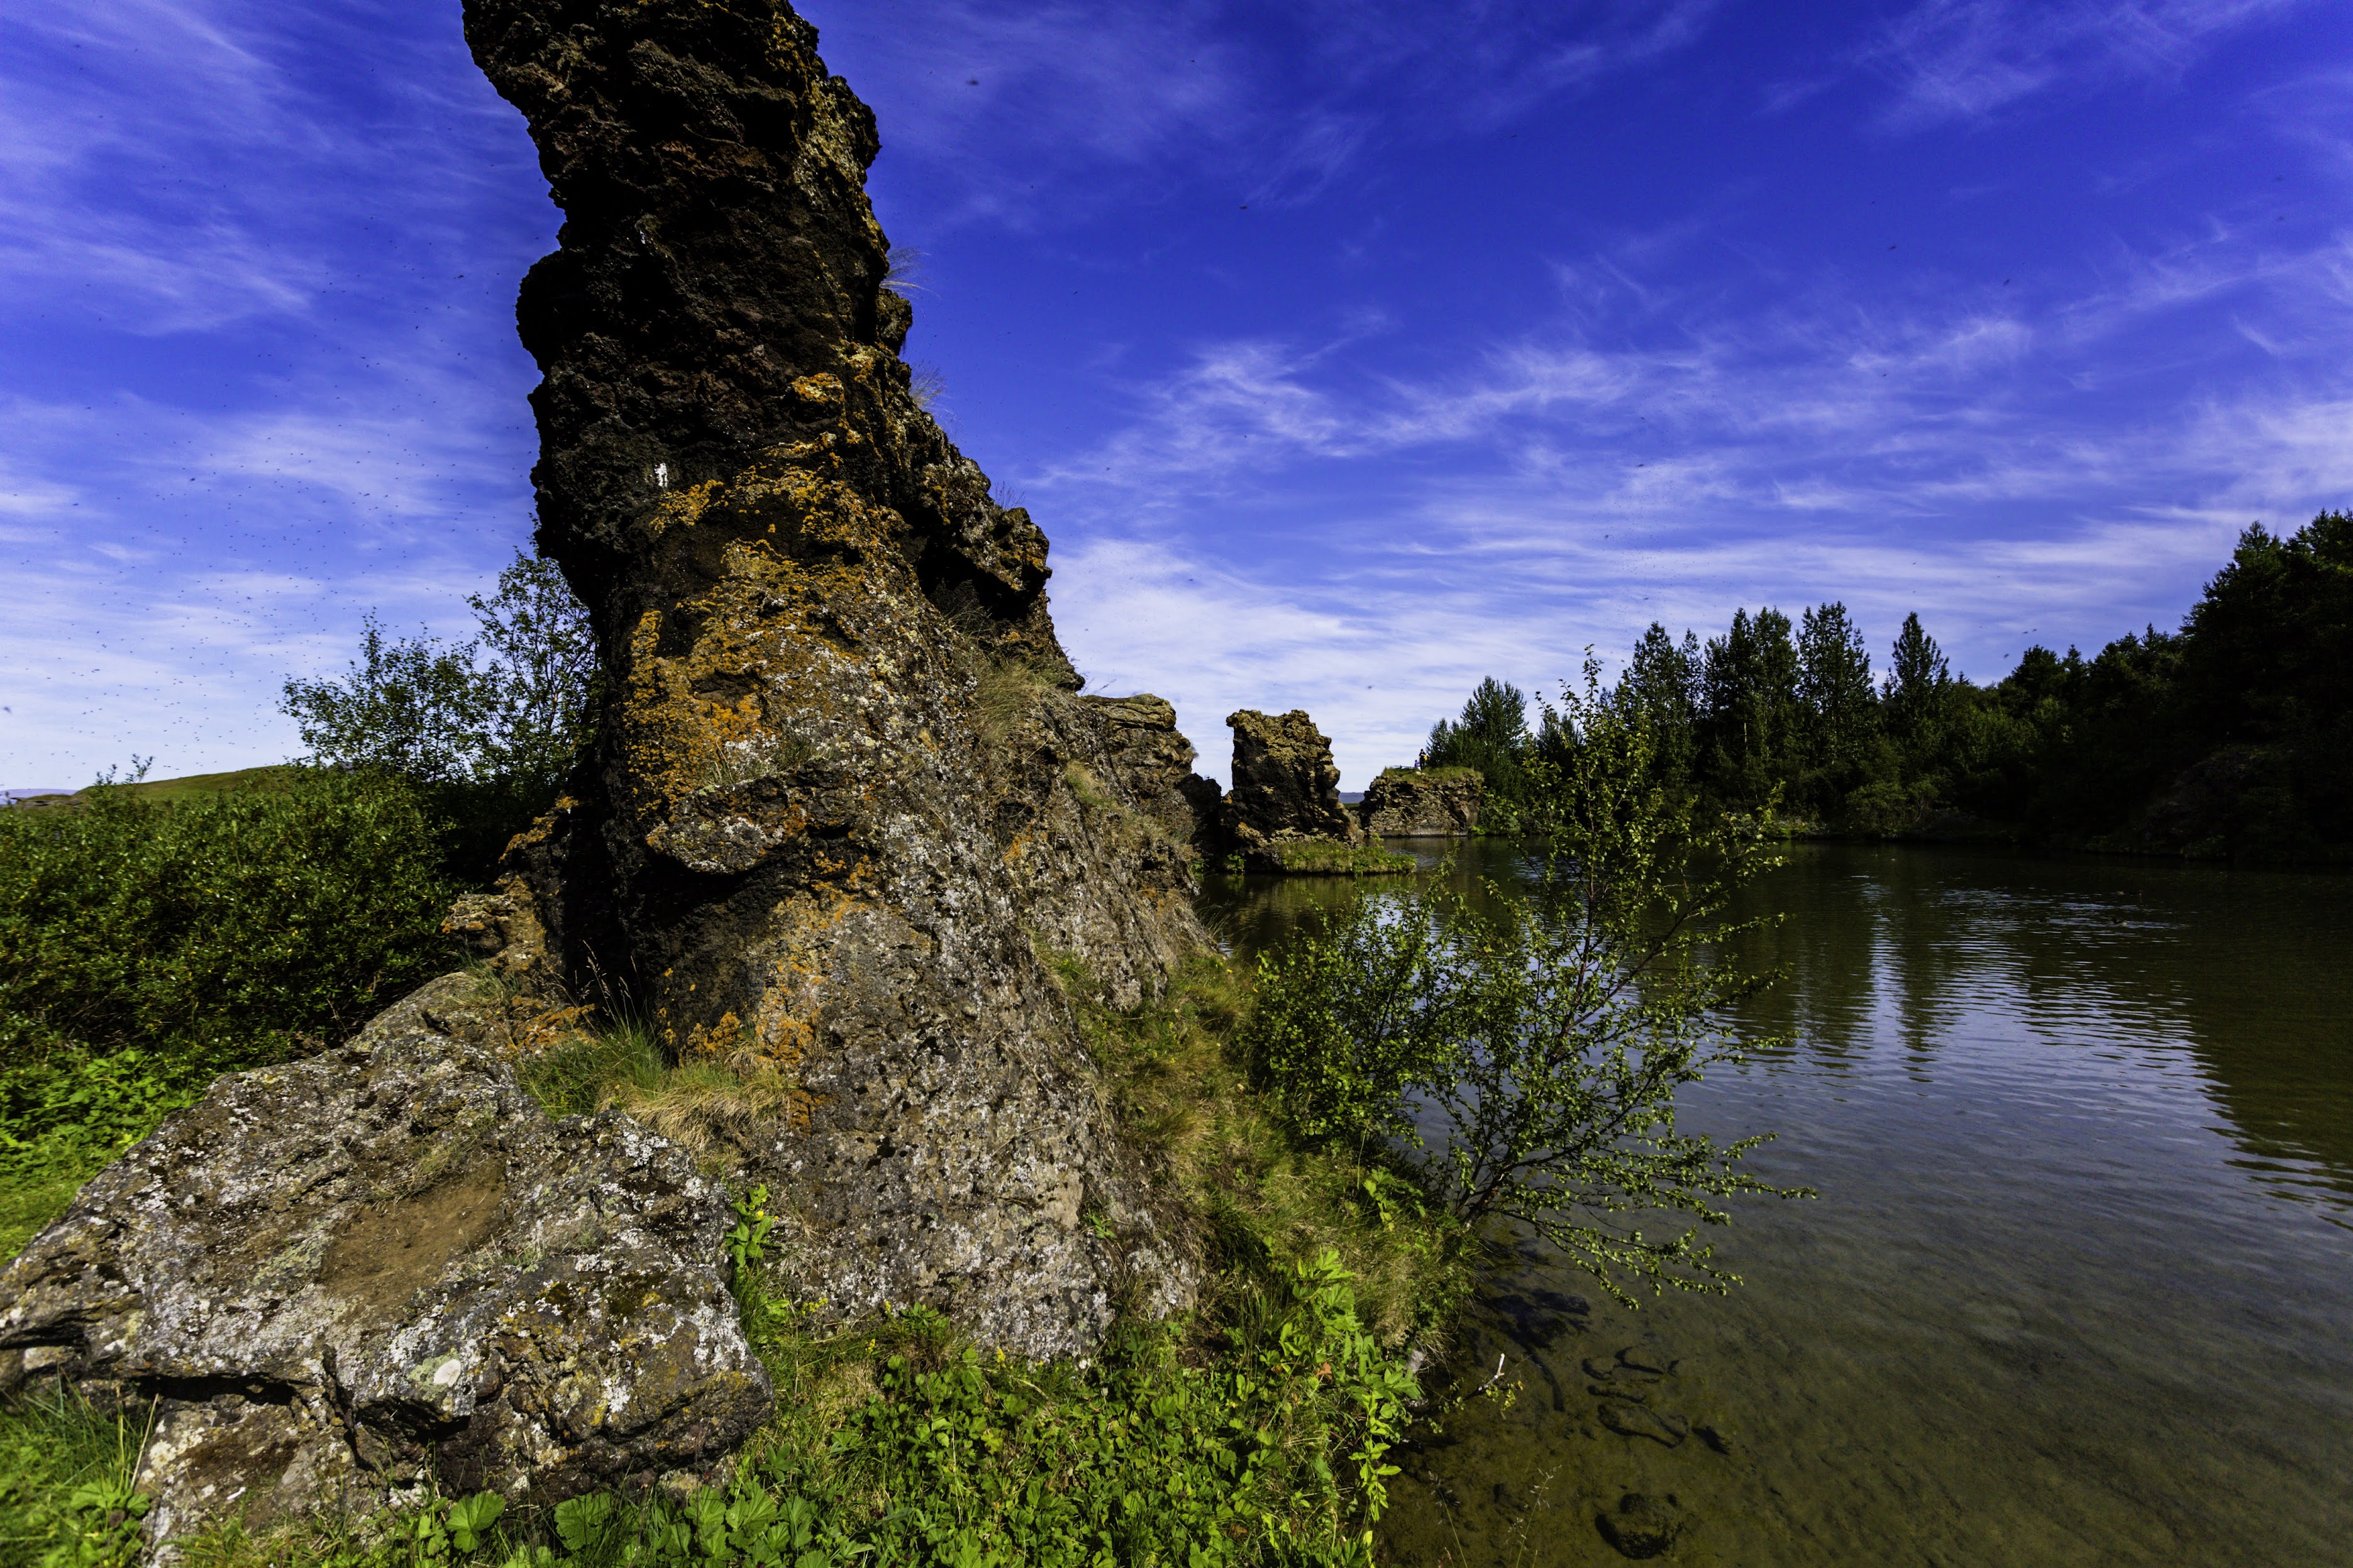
(383, 1265)
(848, 806)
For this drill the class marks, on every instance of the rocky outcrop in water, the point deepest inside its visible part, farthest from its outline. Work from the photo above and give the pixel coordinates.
(848, 803)
(1407, 803)
(1286, 788)
(385, 1267)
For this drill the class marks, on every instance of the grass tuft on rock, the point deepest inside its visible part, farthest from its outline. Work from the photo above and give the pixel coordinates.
(706, 1104)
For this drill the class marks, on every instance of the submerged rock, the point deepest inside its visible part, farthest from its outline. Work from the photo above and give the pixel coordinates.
(1637, 1420)
(1641, 1526)
(1408, 803)
(346, 1277)
(848, 807)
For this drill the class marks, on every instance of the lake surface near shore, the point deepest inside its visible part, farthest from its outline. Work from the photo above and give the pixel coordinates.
(2078, 1288)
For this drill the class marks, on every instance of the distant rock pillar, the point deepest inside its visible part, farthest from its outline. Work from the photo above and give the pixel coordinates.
(1285, 786)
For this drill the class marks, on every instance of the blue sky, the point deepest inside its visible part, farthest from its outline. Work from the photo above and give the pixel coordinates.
(1347, 351)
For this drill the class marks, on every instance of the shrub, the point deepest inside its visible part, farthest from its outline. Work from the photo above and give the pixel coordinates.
(146, 947)
(1343, 1022)
(487, 728)
(1539, 1043)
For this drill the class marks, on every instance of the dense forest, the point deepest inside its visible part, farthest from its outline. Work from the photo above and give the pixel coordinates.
(2229, 737)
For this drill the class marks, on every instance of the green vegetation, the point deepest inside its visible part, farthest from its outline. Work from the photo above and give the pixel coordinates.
(1253, 1429)
(66, 1467)
(191, 786)
(156, 934)
(1330, 858)
(147, 947)
(1337, 1146)
(2226, 738)
(706, 1107)
(486, 730)
(1520, 1064)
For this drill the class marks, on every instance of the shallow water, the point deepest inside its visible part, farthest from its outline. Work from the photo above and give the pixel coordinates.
(2078, 1288)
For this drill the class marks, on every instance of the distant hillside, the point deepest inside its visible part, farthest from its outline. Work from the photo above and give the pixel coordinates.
(273, 776)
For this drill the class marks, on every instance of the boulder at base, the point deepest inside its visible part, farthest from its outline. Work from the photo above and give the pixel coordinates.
(382, 1266)
(1436, 802)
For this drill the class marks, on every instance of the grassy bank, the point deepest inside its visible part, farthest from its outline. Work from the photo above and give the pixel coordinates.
(1321, 857)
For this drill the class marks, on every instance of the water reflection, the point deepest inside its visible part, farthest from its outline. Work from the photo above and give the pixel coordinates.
(2076, 1288)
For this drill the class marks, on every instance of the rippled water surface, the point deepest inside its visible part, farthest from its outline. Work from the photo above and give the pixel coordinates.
(2079, 1284)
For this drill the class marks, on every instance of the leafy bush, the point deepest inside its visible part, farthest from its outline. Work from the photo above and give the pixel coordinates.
(1343, 1022)
(146, 947)
(1539, 1047)
(488, 729)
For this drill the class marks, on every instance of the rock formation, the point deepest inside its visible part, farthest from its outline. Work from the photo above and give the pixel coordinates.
(385, 1265)
(1408, 803)
(845, 810)
(847, 802)
(1286, 787)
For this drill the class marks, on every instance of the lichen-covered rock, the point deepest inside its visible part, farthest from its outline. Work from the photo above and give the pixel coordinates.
(384, 1266)
(1408, 803)
(848, 806)
(1286, 786)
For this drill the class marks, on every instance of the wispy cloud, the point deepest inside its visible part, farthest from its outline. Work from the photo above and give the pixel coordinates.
(1084, 99)
(253, 390)
(1570, 485)
(1964, 60)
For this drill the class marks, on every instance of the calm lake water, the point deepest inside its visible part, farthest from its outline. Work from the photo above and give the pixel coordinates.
(2079, 1284)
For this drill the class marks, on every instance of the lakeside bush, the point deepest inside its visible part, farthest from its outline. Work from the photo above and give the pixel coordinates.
(1519, 1063)
(147, 947)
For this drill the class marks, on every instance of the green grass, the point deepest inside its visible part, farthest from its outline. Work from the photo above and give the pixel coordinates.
(713, 1105)
(1329, 858)
(273, 776)
(65, 1481)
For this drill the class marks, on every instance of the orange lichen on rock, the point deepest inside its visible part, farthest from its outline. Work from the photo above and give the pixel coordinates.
(840, 762)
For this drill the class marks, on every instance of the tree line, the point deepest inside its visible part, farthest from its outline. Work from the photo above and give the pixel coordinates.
(2228, 736)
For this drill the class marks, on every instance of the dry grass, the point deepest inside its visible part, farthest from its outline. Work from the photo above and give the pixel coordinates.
(1007, 690)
